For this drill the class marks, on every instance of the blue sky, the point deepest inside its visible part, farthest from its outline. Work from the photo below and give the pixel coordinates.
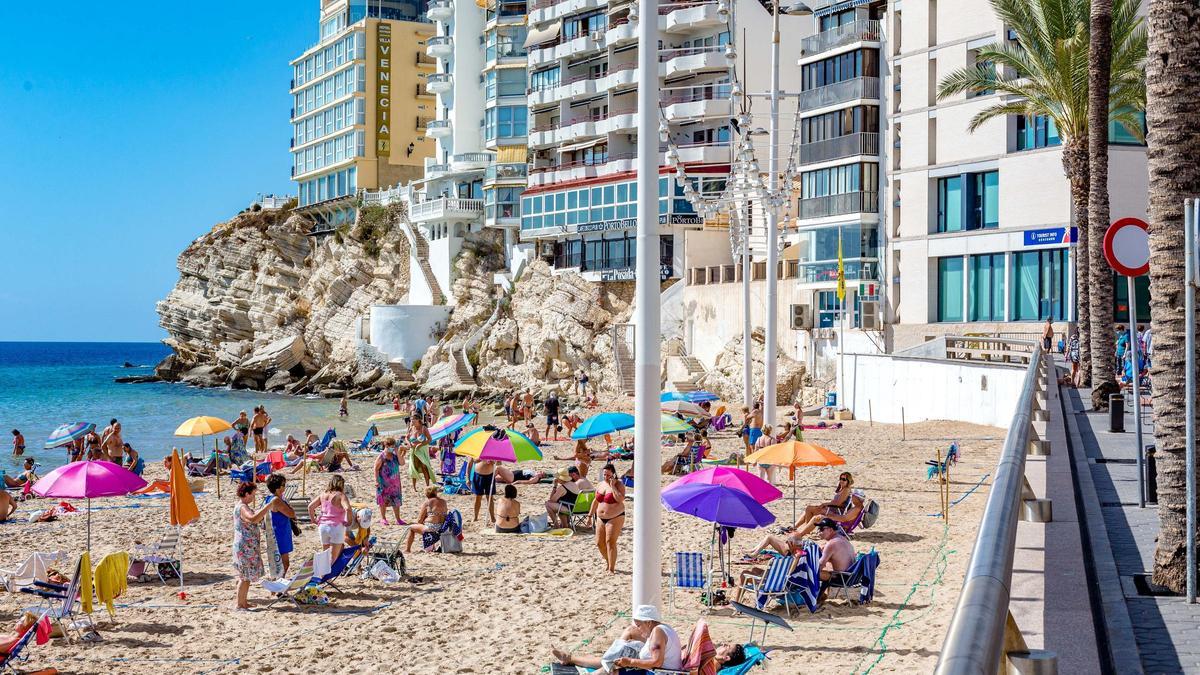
(126, 131)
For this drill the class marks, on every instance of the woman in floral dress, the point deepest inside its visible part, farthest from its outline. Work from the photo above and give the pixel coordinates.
(247, 541)
(388, 487)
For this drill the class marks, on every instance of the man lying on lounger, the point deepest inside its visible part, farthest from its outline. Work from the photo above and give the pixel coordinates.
(837, 553)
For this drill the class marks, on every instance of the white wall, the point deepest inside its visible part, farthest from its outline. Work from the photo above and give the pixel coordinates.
(880, 386)
(406, 331)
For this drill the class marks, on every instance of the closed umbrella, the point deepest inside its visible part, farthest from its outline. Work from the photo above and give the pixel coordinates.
(68, 433)
(88, 480)
(793, 454)
(183, 508)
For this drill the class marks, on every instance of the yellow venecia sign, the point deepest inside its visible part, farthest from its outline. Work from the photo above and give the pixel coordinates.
(383, 89)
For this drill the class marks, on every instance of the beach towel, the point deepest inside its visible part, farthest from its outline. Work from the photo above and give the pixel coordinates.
(804, 585)
(85, 582)
(550, 534)
(111, 579)
(700, 651)
(821, 425)
(34, 568)
(271, 548)
(431, 541)
(322, 563)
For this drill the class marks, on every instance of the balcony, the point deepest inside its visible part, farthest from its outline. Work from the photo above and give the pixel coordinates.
(620, 32)
(705, 153)
(445, 208)
(850, 145)
(682, 17)
(677, 62)
(471, 161)
(441, 46)
(838, 205)
(506, 173)
(840, 92)
(618, 121)
(696, 105)
(434, 170)
(437, 128)
(440, 10)
(541, 11)
(840, 36)
(439, 83)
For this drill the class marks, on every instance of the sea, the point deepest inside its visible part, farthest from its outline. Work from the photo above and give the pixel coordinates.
(45, 384)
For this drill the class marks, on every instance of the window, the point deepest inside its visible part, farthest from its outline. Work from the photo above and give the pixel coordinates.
(503, 202)
(544, 79)
(863, 118)
(839, 180)
(505, 122)
(504, 42)
(1037, 131)
(1141, 292)
(1039, 281)
(842, 67)
(978, 191)
(828, 309)
(842, 18)
(985, 293)
(1119, 135)
(950, 289)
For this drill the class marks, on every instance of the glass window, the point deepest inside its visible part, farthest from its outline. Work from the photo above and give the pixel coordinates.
(828, 309)
(950, 204)
(987, 199)
(950, 289)
(985, 294)
(1119, 135)
(1039, 280)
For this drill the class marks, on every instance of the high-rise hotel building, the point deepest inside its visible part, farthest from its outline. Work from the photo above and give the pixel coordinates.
(360, 104)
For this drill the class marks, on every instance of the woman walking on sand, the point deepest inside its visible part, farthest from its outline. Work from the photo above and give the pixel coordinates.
(388, 485)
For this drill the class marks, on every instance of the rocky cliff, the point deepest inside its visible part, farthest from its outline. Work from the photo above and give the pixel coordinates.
(261, 305)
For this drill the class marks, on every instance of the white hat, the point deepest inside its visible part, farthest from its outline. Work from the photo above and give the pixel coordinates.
(647, 613)
(364, 518)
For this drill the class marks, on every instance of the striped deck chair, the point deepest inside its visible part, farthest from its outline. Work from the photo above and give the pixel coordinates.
(8, 661)
(286, 589)
(804, 584)
(773, 585)
(162, 556)
(688, 573)
(861, 575)
(58, 602)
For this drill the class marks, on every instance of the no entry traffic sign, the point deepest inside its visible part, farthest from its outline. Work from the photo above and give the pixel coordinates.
(1127, 247)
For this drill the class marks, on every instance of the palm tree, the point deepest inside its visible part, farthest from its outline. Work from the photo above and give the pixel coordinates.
(1173, 87)
(1045, 72)
(1100, 317)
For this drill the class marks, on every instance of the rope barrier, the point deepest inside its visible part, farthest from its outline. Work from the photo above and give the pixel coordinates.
(964, 495)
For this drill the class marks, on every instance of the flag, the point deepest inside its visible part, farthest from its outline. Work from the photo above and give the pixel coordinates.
(841, 271)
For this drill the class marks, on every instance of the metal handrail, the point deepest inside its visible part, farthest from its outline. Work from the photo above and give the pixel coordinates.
(975, 640)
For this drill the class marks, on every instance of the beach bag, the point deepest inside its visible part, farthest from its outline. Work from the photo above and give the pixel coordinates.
(870, 514)
(383, 572)
(536, 524)
(450, 543)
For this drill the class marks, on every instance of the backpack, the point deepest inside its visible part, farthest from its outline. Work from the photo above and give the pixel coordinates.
(870, 514)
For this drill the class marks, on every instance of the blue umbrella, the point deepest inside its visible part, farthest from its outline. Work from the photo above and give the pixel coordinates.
(717, 504)
(603, 423)
(691, 396)
(67, 433)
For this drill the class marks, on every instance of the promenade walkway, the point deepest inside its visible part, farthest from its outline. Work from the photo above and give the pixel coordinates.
(1144, 632)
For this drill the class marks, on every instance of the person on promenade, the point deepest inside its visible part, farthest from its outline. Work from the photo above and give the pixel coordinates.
(388, 484)
(335, 516)
(609, 509)
(18, 443)
(1073, 357)
(430, 519)
(508, 512)
(1047, 335)
(419, 464)
(258, 428)
(659, 645)
(281, 519)
(247, 541)
(112, 443)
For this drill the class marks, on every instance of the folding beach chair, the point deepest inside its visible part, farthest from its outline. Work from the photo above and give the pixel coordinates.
(458, 483)
(165, 555)
(367, 441)
(688, 573)
(773, 585)
(861, 575)
(286, 589)
(58, 602)
(754, 656)
(345, 565)
(390, 552)
(16, 652)
(583, 505)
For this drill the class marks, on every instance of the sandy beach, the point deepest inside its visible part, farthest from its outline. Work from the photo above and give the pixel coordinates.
(502, 604)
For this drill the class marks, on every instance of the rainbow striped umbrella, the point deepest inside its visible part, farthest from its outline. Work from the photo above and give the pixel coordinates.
(673, 425)
(67, 433)
(497, 445)
(449, 425)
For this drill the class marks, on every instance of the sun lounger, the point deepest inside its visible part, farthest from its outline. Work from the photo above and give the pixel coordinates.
(164, 557)
(58, 602)
(286, 589)
(16, 653)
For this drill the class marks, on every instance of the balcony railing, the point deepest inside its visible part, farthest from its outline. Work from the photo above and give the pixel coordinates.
(865, 30)
(498, 172)
(437, 169)
(437, 124)
(836, 205)
(668, 54)
(838, 148)
(840, 92)
(446, 206)
(473, 157)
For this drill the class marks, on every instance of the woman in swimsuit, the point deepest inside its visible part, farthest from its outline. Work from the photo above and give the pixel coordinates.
(508, 512)
(609, 508)
(432, 516)
(833, 507)
(562, 496)
(418, 455)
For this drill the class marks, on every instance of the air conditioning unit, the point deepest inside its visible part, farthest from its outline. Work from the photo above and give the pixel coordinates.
(802, 317)
(870, 315)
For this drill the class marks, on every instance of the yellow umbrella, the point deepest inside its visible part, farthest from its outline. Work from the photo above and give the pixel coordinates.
(673, 425)
(204, 426)
(385, 415)
(793, 454)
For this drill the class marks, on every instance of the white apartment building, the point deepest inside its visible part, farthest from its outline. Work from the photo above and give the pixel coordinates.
(579, 208)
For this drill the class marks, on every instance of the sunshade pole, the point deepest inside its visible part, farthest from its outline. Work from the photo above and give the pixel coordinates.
(793, 470)
(216, 461)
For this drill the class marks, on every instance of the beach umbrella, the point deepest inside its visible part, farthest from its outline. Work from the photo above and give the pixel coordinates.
(682, 407)
(672, 425)
(731, 477)
(717, 504)
(690, 396)
(88, 480)
(183, 508)
(450, 424)
(386, 415)
(489, 444)
(793, 454)
(205, 426)
(603, 423)
(68, 433)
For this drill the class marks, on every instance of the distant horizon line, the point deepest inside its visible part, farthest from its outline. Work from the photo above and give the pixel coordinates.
(83, 342)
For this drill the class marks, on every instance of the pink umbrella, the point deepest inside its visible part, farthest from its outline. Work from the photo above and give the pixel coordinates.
(732, 477)
(85, 480)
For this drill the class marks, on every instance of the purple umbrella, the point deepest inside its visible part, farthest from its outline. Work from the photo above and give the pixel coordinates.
(717, 504)
(733, 477)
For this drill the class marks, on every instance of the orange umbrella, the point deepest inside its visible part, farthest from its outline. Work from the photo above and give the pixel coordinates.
(793, 454)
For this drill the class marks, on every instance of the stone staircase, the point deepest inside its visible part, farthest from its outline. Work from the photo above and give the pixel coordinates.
(420, 254)
(622, 339)
(462, 369)
(683, 370)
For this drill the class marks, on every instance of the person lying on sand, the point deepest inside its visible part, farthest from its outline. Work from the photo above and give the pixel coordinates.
(519, 476)
(655, 644)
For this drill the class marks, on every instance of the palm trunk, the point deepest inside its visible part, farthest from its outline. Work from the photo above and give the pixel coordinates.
(1100, 289)
(1075, 164)
(1172, 88)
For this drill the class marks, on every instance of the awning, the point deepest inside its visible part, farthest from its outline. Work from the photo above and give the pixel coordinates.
(511, 154)
(581, 146)
(537, 37)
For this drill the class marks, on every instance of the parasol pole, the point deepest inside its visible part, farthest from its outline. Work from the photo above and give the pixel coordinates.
(217, 463)
(793, 469)
(89, 526)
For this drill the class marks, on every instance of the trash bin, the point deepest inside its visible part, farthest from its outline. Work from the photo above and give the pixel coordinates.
(1151, 476)
(831, 399)
(1116, 413)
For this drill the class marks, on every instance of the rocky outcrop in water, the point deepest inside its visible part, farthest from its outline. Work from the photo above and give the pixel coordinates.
(261, 305)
